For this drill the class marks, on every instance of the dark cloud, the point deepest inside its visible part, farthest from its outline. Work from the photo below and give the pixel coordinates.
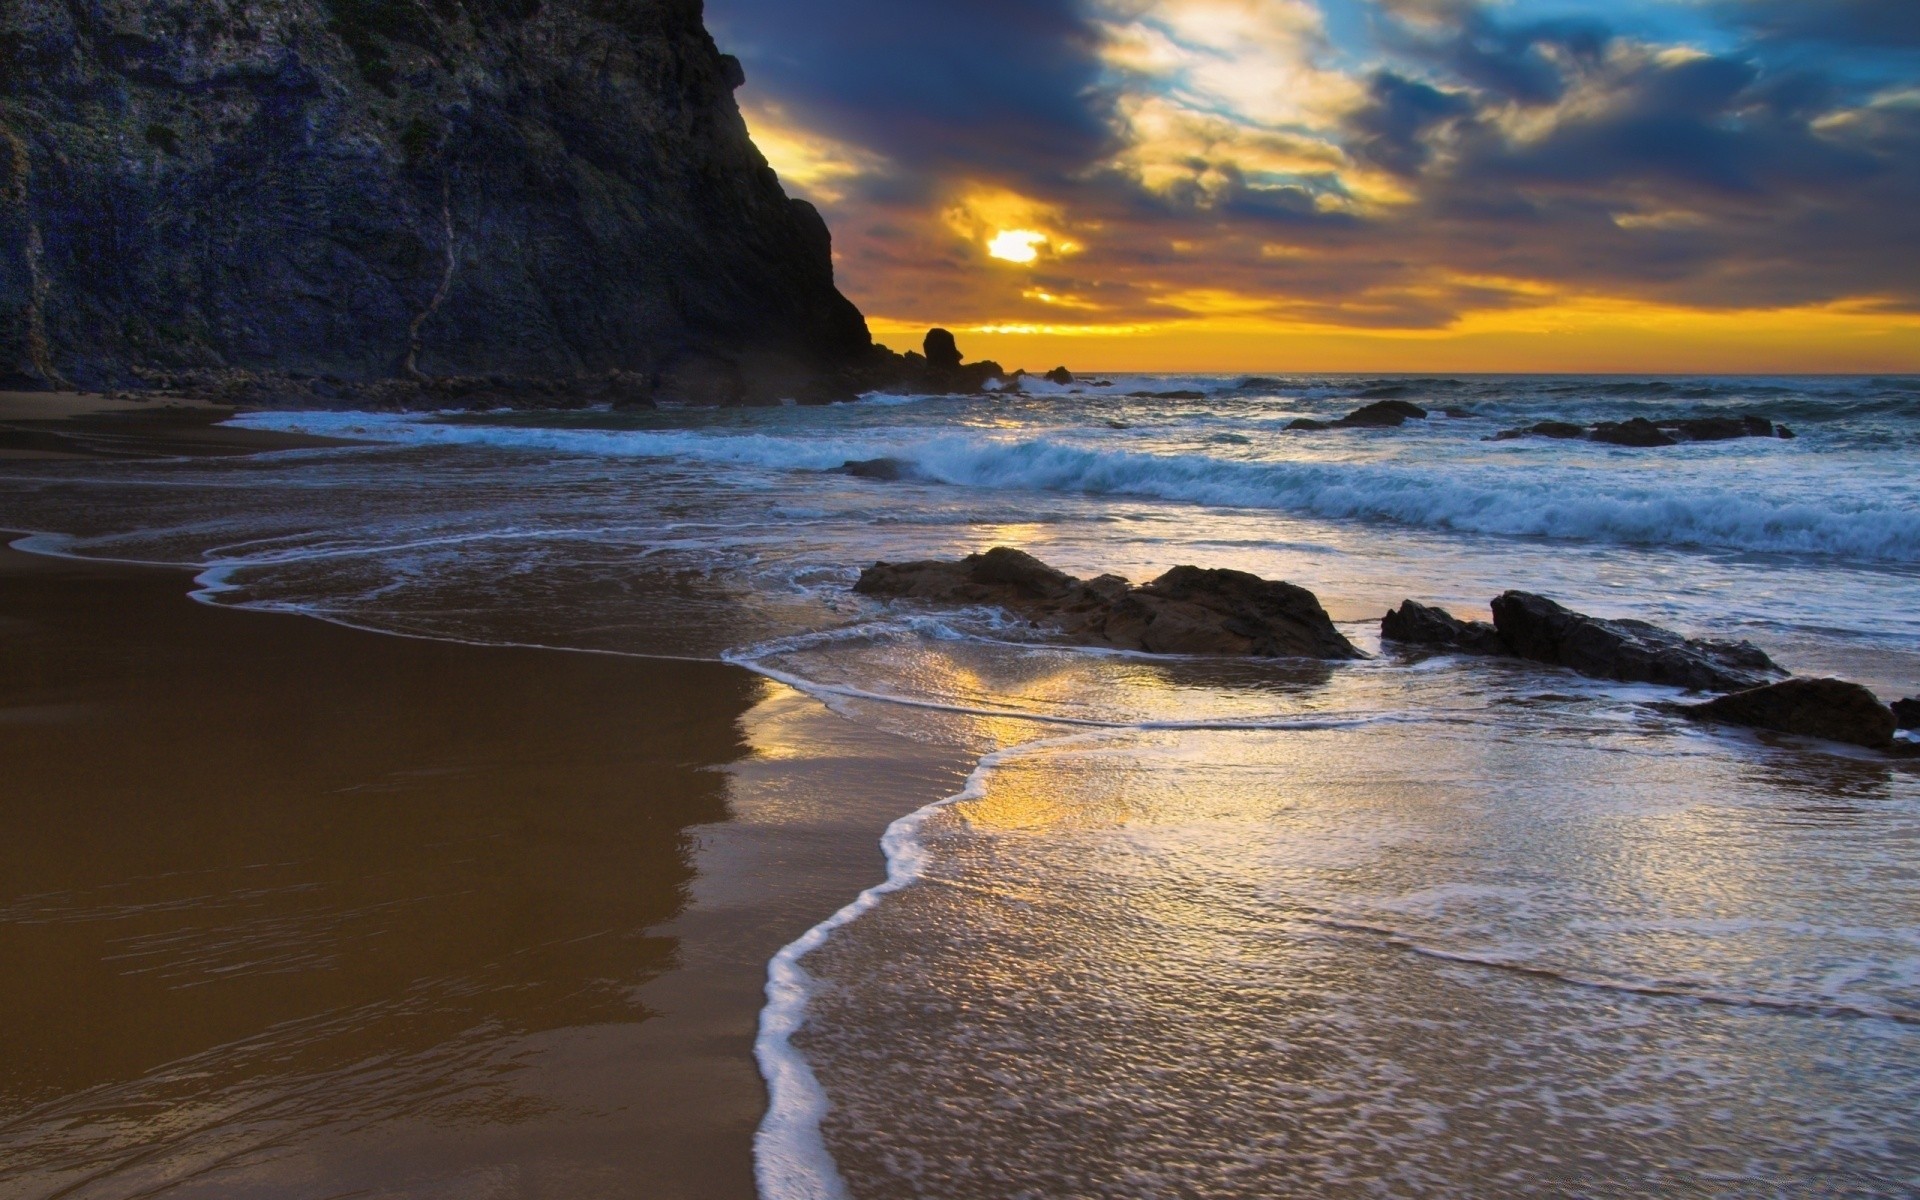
(1872, 24)
(1526, 62)
(1390, 131)
(998, 86)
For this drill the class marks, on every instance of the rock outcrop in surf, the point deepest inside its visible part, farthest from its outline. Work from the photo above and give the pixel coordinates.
(1185, 611)
(329, 200)
(1536, 628)
(1831, 709)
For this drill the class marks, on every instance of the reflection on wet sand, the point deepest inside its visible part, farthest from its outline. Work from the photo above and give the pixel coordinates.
(288, 908)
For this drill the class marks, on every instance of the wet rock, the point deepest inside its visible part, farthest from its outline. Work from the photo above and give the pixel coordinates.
(1061, 376)
(1831, 709)
(1386, 414)
(1185, 611)
(1907, 713)
(1720, 429)
(1308, 425)
(1534, 627)
(887, 470)
(1638, 432)
(1422, 625)
(1461, 414)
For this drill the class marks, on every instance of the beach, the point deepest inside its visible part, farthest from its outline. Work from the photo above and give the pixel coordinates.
(431, 814)
(296, 909)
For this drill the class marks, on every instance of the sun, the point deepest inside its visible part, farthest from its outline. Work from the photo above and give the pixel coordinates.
(1017, 245)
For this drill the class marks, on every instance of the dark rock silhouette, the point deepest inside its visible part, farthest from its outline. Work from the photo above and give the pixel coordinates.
(1185, 611)
(1643, 433)
(1060, 375)
(943, 352)
(1907, 713)
(255, 196)
(1533, 627)
(1384, 414)
(1831, 709)
(1420, 625)
(886, 470)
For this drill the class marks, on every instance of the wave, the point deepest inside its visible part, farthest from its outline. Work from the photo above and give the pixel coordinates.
(1537, 500)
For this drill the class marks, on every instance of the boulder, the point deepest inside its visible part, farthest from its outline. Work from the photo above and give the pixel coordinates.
(888, 470)
(1185, 611)
(1060, 375)
(1638, 432)
(1720, 429)
(1421, 625)
(1907, 713)
(1386, 414)
(1538, 629)
(1308, 425)
(1831, 709)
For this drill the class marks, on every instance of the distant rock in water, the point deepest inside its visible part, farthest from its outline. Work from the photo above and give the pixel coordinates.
(1831, 709)
(1533, 627)
(888, 470)
(1645, 434)
(251, 195)
(1420, 625)
(1384, 414)
(1185, 611)
(1061, 376)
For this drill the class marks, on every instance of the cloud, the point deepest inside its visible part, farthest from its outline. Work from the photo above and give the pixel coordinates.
(1134, 164)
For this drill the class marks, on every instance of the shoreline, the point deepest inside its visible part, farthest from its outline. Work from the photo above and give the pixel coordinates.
(68, 426)
(543, 886)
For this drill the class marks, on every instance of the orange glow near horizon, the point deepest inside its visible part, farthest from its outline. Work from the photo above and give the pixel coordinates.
(1575, 337)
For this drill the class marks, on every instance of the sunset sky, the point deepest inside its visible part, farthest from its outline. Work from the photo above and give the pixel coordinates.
(1392, 185)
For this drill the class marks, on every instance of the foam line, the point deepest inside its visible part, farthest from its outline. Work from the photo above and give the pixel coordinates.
(791, 1160)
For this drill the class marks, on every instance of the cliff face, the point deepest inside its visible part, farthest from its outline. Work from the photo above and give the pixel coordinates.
(336, 192)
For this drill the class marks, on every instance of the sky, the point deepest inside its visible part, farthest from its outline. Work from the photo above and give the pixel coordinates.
(1359, 185)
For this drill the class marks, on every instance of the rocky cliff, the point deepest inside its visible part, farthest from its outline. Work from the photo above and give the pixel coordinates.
(310, 197)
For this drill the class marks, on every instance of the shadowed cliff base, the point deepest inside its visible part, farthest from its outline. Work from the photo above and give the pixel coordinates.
(300, 201)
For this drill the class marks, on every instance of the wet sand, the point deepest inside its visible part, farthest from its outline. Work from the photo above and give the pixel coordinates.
(75, 425)
(294, 910)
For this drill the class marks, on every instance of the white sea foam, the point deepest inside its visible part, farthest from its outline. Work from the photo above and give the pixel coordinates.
(1520, 497)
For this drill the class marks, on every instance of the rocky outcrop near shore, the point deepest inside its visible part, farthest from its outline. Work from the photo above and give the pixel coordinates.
(1540, 630)
(408, 199)
(1760, 695)
(1831, 709)
(1186, 611)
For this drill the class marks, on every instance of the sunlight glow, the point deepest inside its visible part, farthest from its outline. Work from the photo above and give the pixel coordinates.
(1017, 245)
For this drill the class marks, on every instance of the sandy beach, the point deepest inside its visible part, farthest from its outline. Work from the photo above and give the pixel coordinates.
(53, 426)
(292, 909)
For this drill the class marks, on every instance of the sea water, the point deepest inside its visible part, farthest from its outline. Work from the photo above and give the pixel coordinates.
(1413, 926)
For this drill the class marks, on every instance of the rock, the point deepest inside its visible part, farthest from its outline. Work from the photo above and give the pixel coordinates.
(1783, 433)
(1061, 376)
(1831, 709)
(1720, 429)
(1461, 414)
(1907, 713)
(1308, 425)
(397, 191)
(1420, 625)
(1261, 383)
(1638, 432)
(1386, 414)
(1185, 611)
(943, 352)
(887, 470)
(1536, 628)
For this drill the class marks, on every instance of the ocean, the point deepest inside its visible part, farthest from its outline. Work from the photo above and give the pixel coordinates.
(1411, 926)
